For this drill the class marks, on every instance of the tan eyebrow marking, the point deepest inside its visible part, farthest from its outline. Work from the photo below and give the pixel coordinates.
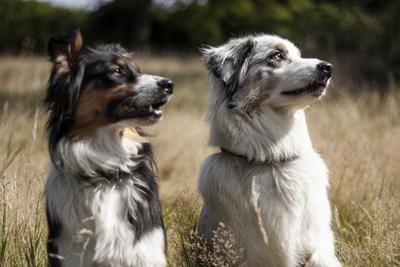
(120, 62)
(280, 47)
(91, 110)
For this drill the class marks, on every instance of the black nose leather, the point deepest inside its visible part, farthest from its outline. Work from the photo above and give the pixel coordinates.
(167, 85)
(325, 68)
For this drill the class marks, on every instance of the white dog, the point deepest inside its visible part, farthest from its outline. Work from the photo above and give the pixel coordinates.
(267, 183)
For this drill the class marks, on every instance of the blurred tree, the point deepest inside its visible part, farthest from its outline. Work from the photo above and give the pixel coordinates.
(187, 26)
(124, 21)
(26, 25)
(365, 33)
(389, 18)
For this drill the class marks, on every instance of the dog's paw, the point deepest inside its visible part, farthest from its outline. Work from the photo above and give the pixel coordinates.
(323, 261)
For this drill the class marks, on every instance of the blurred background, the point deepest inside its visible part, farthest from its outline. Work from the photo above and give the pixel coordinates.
(363, 36)
(355, 128)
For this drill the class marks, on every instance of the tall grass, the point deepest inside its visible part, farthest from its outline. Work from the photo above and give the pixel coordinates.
(357, 135)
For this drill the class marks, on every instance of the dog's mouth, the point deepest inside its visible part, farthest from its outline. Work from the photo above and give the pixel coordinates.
(151, 112)
(314, 88)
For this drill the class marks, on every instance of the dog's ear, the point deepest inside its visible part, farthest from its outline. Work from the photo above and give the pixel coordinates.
(65, 81)
(227, 61)
(211, 60)
(64, 49)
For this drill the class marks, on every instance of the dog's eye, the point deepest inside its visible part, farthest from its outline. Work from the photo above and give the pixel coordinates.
(278, 55)
(118, 71)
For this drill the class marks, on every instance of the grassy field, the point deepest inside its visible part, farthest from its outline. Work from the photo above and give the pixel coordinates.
(358, 136)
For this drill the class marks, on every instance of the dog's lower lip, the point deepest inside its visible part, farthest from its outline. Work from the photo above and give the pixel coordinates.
(315, 87)
(151, 112)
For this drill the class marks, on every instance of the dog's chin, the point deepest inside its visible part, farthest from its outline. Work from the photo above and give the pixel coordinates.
(314, 89)
(137, 122)
(138, 116)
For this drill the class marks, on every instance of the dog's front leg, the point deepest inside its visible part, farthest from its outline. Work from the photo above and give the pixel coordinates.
(277, 221)
(114, 238)
(324, 253)
(319, 233)
(117, 244)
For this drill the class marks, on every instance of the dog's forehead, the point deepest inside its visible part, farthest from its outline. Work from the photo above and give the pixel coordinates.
(124, 62)
(102, 60)
(109, 53)
(266, 43)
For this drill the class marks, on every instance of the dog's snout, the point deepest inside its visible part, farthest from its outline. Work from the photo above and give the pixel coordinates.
(167, 85)
(325, 68)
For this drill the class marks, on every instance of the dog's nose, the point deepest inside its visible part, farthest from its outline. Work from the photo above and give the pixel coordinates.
(325, 68)
(167, 85)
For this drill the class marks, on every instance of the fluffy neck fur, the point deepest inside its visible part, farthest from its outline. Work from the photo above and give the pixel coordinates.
(109, 151)
(267, 136)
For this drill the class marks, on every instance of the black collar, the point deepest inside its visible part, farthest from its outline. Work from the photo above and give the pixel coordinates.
(267, 161)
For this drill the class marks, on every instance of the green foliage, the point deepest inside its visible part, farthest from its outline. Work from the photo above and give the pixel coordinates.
(362, 32)
(366, 33)
(26, 25)
(123, 21)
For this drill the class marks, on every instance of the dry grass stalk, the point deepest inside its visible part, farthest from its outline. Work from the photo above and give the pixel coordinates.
(357, 136)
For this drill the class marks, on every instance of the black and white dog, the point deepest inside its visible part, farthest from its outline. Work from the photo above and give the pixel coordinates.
(102, 201)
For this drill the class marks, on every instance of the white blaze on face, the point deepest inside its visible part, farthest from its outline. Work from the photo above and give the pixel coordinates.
(146, 89)
(296, 74)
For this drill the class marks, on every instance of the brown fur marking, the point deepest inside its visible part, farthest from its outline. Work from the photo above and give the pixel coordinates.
(263, 87)
(64, 55)
(120, 62)
(280, 47)
(132, 134)
(76, 45)
(91, 111)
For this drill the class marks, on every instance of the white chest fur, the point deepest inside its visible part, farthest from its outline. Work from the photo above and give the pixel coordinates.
(279, 214)
(95, 226)
(94, 214)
